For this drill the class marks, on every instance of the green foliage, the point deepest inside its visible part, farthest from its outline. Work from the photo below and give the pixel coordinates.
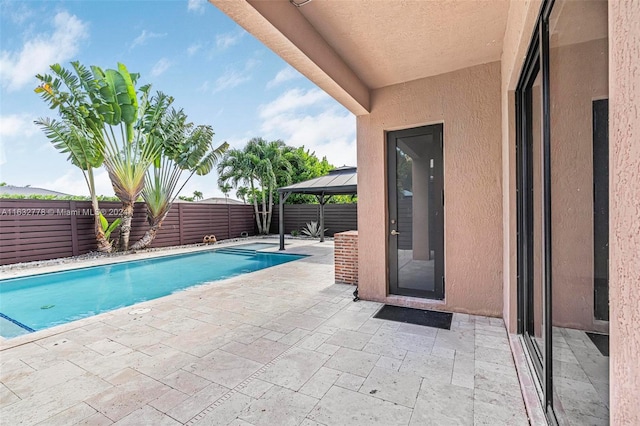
(56, 197)
(295, 233)
(109, 228)
(312, 229)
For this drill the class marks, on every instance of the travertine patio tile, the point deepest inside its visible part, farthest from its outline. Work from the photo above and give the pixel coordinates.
(323, 310)
(227, 412)
(147, 416)
(261, 350)
(389, 363)
(494, 341)
(13, 368)
(202, 349)
(490, 415)
(224, 368)
(327, 349)
(246, 333)
(191, 406)
(351, 361)
(185, 382)
(443, 352)
(294, 336)
(161, 365)
(106, 347)
(132, 391)
(418, 329)
(104, 366)
(392, 386)
(443, 404)
(461, 341)
(7, 397)
(255, 388)
(385, 348)
(142, 335)
(497, 356)
(463, 370)
(344, 407)
(58, 398)
(435, 369)
(313, 341)
(407, 341)
(499, 383)
(97, 419)
(350, 381)
(279, 406)
(349, 320)
(349, 339)
(294, 369)
(371, 326)
(27, 384)
(306, 322)
(320, 382)
(168, 400)
(71, 415)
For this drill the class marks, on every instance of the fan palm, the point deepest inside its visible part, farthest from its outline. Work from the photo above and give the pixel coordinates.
(77, 133)
(185, 147)
(131, 134)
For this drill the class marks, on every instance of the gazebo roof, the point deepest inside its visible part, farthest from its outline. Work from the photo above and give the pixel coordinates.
(340, 181)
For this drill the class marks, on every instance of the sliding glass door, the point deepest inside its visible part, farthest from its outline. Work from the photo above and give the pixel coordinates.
(562, 174)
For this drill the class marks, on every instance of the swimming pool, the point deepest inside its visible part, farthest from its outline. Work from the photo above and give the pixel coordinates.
(37, 302)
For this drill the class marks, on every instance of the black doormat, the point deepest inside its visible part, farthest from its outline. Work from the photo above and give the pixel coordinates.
(601, 341)
(416, 316)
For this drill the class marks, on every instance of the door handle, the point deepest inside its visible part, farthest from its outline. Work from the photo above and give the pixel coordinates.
(394, 232)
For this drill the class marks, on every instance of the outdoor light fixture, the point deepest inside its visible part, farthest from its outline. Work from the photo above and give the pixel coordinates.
(300, 4)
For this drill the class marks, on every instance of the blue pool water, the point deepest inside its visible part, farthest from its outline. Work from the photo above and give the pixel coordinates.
(41, 301)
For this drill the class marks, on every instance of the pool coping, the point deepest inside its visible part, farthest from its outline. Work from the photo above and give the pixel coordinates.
(8, 343)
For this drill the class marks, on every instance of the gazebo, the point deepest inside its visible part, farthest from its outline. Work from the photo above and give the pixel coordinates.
(340, 181)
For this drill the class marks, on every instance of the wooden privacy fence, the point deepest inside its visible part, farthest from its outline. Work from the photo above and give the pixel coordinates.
(337, 217)
(47, 229)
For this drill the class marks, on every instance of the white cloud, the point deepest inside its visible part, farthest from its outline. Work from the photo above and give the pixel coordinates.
(17, 125)
(160, 67)
(72, 182)
(312, 119)
(193, 49)
(224, 41)
(145, 36)
(17, 12)
(232, 78)
(291, 100)
(17, 69)
(283, 75)
(196, 5)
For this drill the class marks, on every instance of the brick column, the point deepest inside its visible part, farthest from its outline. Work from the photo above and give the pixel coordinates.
(346, 257)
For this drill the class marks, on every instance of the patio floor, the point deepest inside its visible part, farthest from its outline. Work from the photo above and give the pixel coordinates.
(281, 346)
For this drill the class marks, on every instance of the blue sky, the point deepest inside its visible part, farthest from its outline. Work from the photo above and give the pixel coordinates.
(217, 72)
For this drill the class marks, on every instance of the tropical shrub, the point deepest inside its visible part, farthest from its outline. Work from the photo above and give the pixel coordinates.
(312, 229)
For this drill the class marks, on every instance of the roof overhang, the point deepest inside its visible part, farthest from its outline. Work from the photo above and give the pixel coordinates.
(351, 48)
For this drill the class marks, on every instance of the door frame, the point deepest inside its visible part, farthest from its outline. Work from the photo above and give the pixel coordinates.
(537, 60)
(392, 241)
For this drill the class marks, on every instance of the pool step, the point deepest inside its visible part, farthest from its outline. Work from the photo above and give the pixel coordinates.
(237, 251)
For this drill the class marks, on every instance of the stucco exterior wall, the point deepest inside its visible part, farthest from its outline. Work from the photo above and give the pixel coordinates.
(624, 210)
(468, 103)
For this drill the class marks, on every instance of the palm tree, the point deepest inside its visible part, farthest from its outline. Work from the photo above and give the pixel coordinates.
(132, 136)
(258, 166)
(185, 147)
(197, 195)
(242, 193)
(78, 131)
(238, 169)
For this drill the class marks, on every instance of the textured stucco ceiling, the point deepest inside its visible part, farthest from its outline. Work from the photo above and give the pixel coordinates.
(391, 41)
